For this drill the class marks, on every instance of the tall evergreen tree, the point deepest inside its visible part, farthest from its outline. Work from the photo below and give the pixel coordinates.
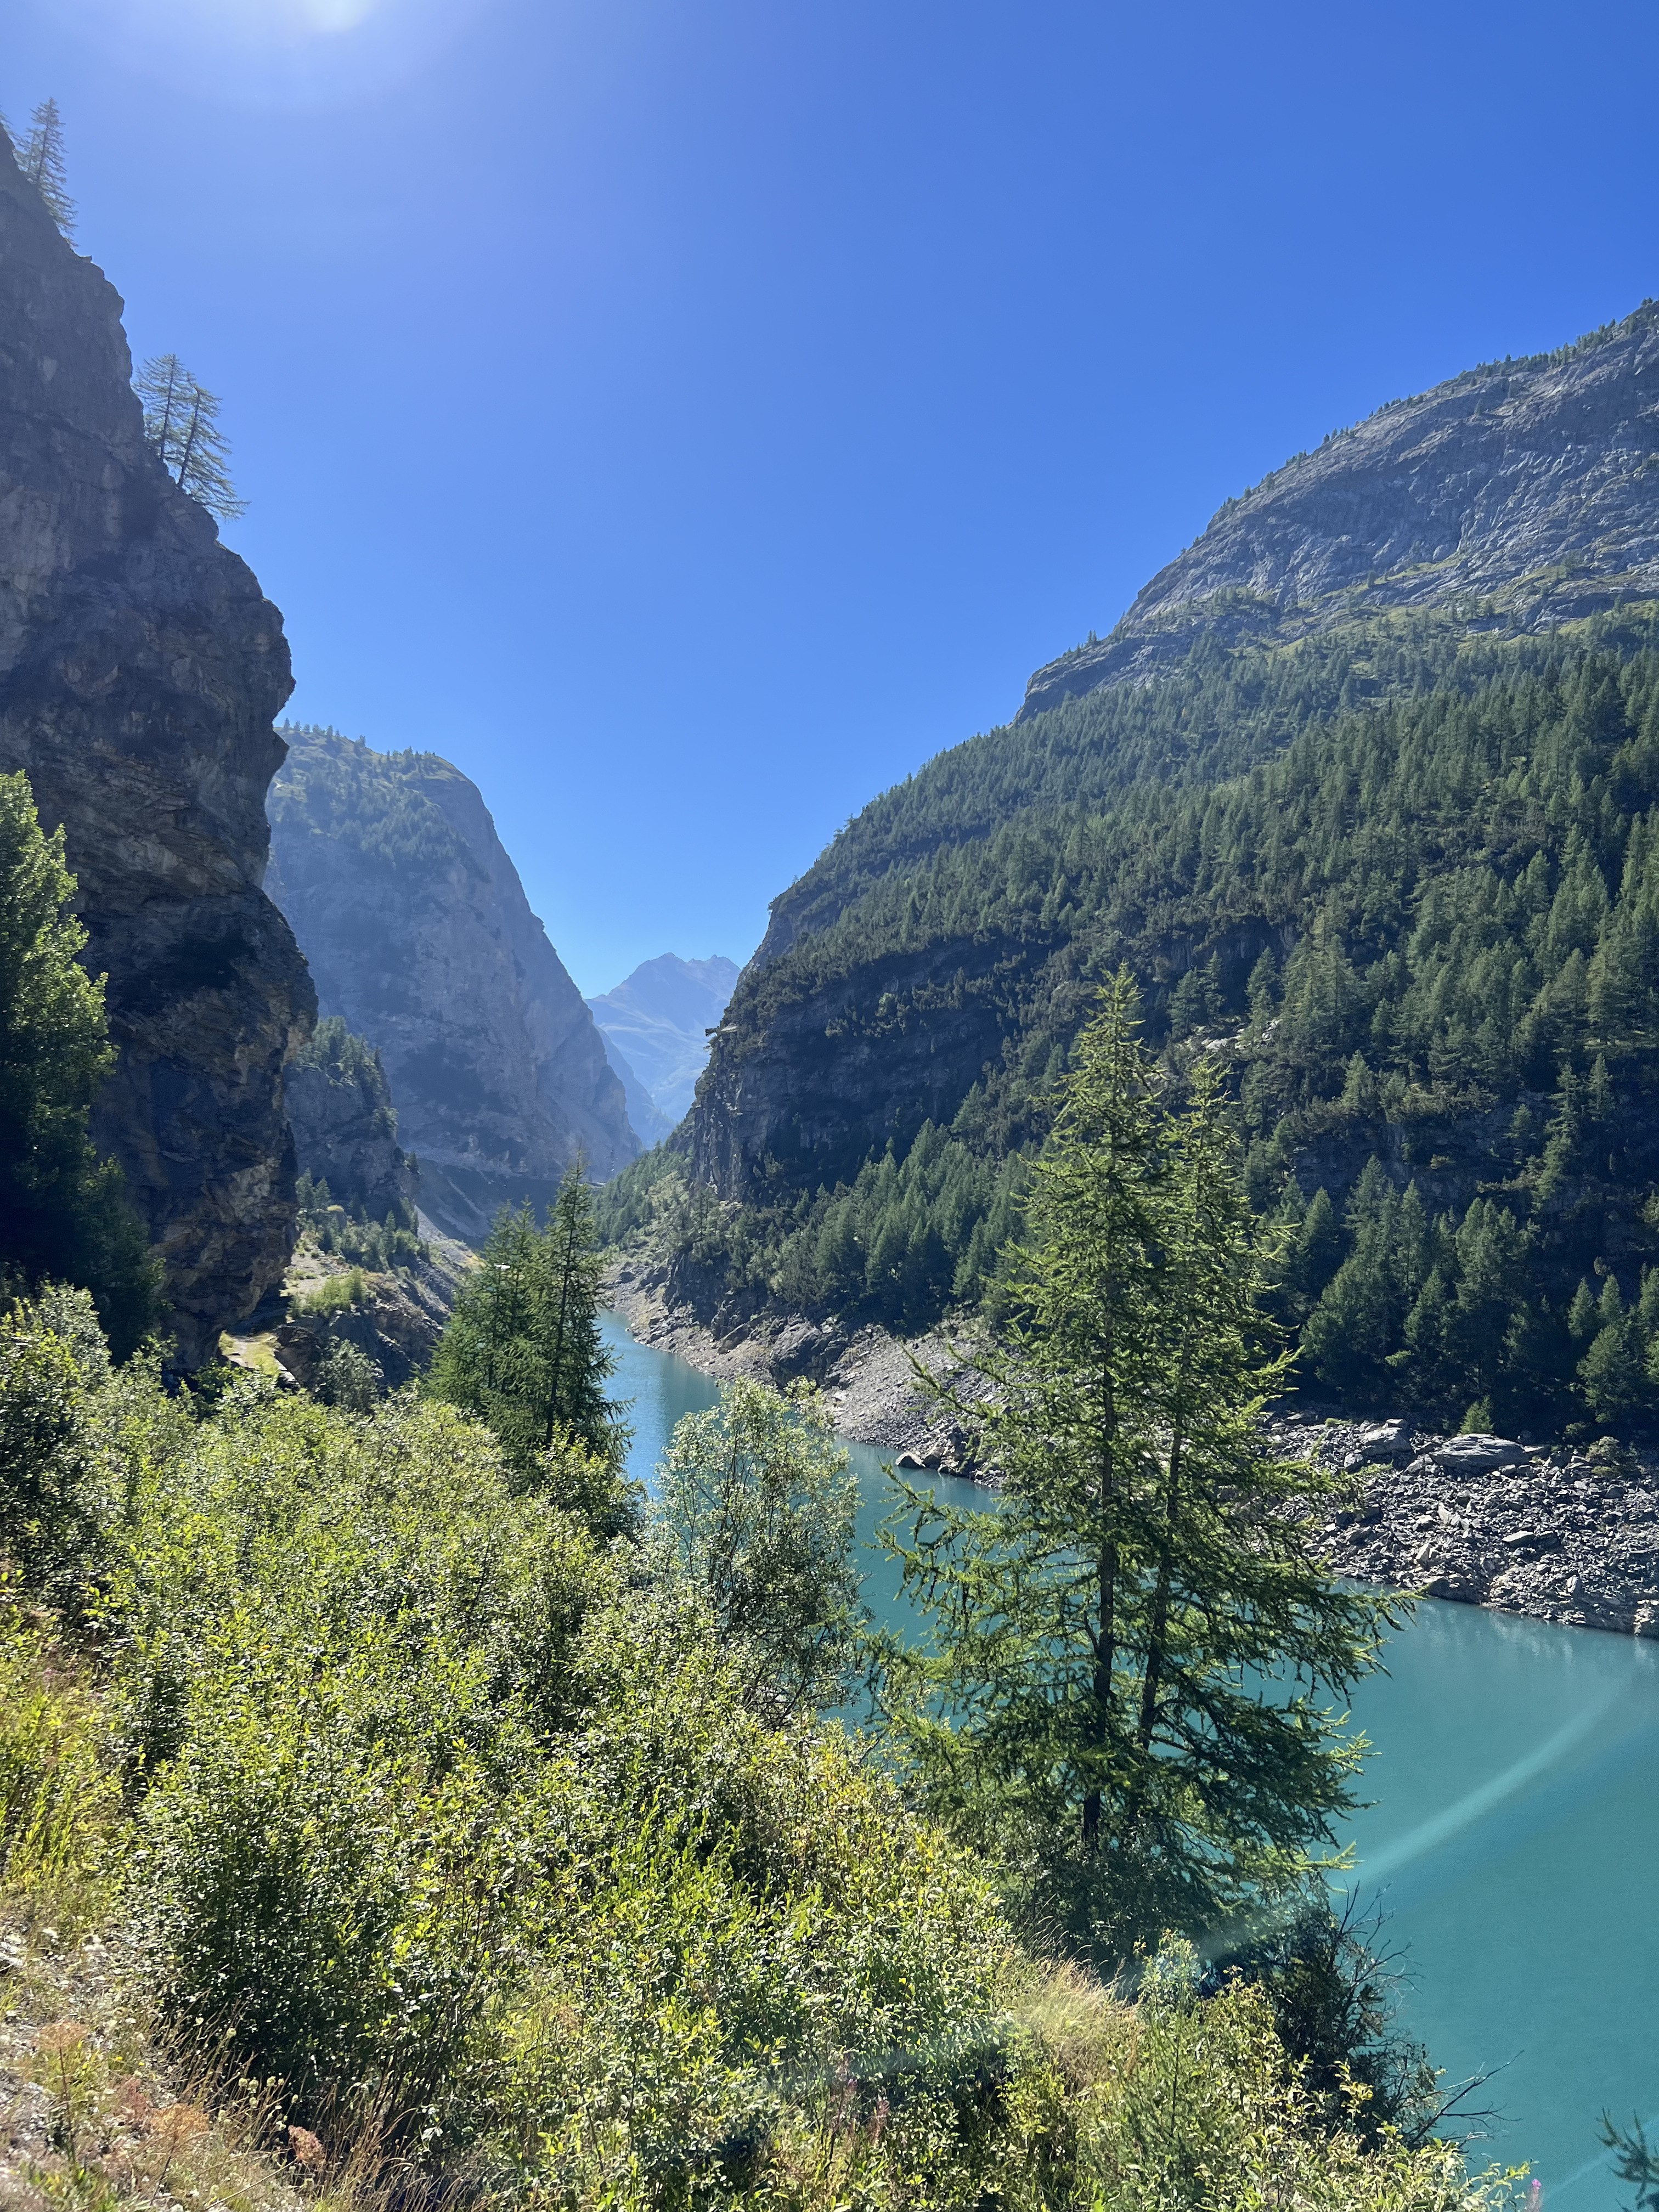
(1109, 1709)
(181, 418)
(522, 1350)
(63, 1215)
(40, 157)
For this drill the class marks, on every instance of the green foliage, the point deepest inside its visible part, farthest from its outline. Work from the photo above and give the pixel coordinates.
(456, 1834)
(181, 427)
(754, 1523)
(335, 1294)
(57, 1801)
(350, 1233)
(52, 1356)
(1108, 1710)
(377, 805)
(522, 1350)
(1405, 879)
(347, 1378)
(62, 1213)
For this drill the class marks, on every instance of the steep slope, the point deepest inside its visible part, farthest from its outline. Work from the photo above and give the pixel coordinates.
(1526, 484)
(646, 1118)
(1390, 851)
(420, 938)
(659, 1019)
(345, 1127)
(140, 671)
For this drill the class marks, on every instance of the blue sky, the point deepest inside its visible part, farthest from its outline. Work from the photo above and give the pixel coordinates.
(689, 418)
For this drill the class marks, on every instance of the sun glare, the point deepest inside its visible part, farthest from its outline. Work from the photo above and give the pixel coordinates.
(280, 53)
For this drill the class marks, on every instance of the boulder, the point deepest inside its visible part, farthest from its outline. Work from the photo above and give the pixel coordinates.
(1384, 1440)
(1475, 1455)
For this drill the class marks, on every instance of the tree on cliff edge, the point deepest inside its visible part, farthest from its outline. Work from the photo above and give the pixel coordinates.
(40, 158)
(63, 1216)
(181, 427)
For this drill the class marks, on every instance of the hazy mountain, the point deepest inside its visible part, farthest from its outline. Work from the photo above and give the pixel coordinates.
(658, 1019)
(650, 1124)
(420, 938)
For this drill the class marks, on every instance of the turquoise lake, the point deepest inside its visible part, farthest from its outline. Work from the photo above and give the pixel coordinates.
(1513, 1842)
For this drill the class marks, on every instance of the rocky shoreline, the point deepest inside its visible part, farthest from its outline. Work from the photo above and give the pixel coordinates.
(1556, 1535)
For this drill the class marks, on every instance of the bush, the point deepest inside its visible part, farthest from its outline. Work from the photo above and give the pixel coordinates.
(52, 1358)
(456, 1834)
(57, 1802)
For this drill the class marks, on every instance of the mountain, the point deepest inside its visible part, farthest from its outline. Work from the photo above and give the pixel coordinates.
(420, 939)
(659, 1019)
(649, 1122)
(141, 669)
(1365, 789)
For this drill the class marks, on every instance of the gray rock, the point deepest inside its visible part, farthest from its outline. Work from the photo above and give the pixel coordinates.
(1476, 1455)
(420, 936)
(345, 1130)
(1525, 482)
(140, 671)
(1384, 1440)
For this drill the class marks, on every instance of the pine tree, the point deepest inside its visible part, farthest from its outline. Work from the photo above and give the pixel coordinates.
(181, 427)
(578, 1365)
(1095, 1716)
(522, 1351)
(40, 158)
(63, 1215)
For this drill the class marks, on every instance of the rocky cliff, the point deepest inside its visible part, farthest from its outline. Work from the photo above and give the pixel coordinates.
(345, 1127)
(140, 671)
(420, 937)
(1525, 486)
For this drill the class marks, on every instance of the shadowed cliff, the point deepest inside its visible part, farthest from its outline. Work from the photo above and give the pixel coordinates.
(140, 671)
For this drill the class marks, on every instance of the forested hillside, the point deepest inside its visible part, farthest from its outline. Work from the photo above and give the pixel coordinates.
(1402, 875)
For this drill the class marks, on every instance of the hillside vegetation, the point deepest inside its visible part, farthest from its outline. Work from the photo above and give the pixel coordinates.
(453, 1859)
(1401, 877)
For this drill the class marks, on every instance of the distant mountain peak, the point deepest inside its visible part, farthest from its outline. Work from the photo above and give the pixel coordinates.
(656, 1021)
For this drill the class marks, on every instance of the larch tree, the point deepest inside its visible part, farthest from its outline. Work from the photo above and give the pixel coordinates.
(40, 158)
(1124, 1704)
(181, 420)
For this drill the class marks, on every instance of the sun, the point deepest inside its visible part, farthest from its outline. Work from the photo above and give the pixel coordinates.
(290, 54)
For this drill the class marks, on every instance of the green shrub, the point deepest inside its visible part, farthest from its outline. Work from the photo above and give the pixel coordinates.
(57, 1800)
(336, 1295)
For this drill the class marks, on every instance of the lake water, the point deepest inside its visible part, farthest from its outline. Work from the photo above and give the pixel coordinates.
(1514, 1842)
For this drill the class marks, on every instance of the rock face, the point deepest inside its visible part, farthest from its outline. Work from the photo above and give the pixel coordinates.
(658, 1019)
(140, 671)
(420, 938)
(1560, 1535)
(1525, 484)
(345, 1130)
